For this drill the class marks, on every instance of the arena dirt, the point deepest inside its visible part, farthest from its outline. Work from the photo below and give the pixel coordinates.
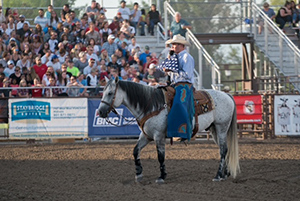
(105, 171)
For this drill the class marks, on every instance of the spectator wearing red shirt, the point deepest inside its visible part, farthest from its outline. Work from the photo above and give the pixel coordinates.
(40, 69)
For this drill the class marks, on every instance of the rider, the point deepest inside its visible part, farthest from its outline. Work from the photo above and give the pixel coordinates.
(180, 68)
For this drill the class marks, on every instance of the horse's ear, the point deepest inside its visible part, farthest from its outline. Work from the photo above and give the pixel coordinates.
(106, 79)
(117, 79)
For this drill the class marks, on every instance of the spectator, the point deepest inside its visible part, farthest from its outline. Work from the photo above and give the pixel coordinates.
(22, 22)
(23, 93)
(92, 11)
(23, 32)
(92, 80)
(295, 13)
(81, 80)
(63, 80)
(24, 61)
(284, 15)
(96, 49)
(136, 20)
(133, 44)
(5, 93)
(14, 84)
(74, 87)
(269, 12)
(115, 73)
(66, 9)
(2, 18)
(54, 20)
(41, 20)
(104, 56)
(110, 46)
(114, 25)
(37, 92)
(90, 53)
(125, 12)
(15, 55)
(87, 69)
(103, 71)
(17, 75)
(6, 56)
(72, 69)
(11, 25)
(36, 45)
(105, 31)
(47, 57)
(92, 33)
(128, 30)
(68, 22)
(73, 16)
(179, 26)
(82, 62)
(8, 12)
(143, 56)
(155, 75)
(48, 13)
(10, 68)
(54, 62)
(40, 69)
(52, 92)
(113, 64)
(153, 18)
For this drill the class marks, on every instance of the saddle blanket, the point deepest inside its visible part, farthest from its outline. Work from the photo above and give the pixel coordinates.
(180, 117)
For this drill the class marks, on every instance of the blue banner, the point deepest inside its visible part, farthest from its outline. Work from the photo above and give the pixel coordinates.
(121, 127)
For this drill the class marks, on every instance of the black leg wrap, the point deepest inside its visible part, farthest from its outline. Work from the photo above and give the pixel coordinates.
(138, 165)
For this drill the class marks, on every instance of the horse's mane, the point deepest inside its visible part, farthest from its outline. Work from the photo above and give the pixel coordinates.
(146, 97)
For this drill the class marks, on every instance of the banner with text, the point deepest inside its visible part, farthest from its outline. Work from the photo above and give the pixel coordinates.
(47, 118)
(249, 109)
(287, 114)
(120, 125)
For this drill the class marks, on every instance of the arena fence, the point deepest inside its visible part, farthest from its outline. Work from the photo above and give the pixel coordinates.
(265, 115)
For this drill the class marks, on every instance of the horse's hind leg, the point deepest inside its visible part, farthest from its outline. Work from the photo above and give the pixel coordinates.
(160, 147)
(142, 142)
(222, 171)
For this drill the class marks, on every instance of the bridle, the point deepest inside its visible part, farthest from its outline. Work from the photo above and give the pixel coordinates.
(129, 121)
(113, 109)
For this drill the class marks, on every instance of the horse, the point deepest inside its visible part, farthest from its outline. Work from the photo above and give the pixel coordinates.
(143, 100)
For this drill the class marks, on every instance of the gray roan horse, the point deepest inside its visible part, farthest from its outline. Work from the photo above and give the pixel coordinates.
(142, 100)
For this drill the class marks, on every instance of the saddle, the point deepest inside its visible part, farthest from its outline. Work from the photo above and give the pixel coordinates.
(202, 101)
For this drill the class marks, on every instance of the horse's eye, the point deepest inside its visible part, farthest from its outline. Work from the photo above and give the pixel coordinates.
(109, 93)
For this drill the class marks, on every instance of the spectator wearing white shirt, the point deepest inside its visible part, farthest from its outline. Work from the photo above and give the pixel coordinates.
(47, 57)
(54, 63)
(125, 12)
(53, 42)
(87, 69)
(21, 22)
(41, 20)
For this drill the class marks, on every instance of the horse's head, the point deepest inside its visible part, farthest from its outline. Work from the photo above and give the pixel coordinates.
(110, 98)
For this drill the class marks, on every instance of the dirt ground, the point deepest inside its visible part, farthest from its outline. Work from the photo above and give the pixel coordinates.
(105, 171)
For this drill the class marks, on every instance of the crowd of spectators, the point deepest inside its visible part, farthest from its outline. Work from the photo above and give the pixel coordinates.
(60, 49)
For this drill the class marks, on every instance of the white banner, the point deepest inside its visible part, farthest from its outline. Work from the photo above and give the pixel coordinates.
(287, 114)
(48, 118)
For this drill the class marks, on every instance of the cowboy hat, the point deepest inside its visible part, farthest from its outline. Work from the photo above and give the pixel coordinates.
(178, 39)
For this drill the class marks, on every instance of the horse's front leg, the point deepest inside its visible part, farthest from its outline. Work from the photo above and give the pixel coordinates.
(142, 142)
(160, 147)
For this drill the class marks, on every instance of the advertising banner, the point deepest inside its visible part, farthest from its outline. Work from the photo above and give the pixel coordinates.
(47, 118)
(123, 125)
(249, 109)
(287, 114)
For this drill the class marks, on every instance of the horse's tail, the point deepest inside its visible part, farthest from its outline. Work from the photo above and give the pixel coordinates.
(232, 157)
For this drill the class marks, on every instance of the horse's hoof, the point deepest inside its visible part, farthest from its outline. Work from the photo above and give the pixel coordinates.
(138, 178)
(218, 179)
(160, 181)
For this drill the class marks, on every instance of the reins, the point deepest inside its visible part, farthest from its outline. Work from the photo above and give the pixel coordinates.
(129, 121)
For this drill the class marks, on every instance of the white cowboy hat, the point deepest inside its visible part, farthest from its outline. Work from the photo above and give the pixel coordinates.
(178, 39)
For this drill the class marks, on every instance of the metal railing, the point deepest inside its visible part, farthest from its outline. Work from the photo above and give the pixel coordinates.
(269, 24)
(215, 69)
